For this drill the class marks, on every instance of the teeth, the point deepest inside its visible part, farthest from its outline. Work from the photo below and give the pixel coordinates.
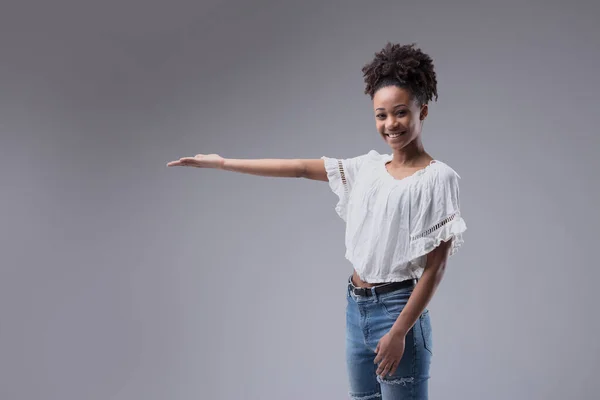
(394, 135)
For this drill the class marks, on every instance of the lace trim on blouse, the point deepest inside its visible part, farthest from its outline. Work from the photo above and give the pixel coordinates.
(433, 228)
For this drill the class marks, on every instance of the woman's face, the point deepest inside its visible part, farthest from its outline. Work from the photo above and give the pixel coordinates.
(398, 117)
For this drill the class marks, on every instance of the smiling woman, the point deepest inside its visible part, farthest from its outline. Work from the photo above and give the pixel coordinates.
(403, 221)
(398, 116)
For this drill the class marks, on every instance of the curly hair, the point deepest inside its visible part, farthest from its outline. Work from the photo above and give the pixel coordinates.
(404, 66)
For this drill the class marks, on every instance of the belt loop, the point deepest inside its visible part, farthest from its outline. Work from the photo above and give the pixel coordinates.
(374, 294)
(349, 287)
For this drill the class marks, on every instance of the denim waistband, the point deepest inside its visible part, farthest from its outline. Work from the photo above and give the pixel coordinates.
(374, 294)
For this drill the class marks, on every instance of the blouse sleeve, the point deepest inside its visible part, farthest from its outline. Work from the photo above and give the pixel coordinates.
(435, 214)
(341, 174)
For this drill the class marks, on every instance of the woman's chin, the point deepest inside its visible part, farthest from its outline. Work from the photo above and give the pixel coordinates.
(395, 143)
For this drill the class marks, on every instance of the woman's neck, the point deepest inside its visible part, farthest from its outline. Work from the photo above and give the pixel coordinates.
(412, 155)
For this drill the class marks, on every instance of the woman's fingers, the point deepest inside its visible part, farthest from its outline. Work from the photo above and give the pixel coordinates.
(386, 367)
(182, 162)
(199, 161)
(393, 368)
(381, 367)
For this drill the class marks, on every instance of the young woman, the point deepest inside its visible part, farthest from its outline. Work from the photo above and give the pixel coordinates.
(402, 220)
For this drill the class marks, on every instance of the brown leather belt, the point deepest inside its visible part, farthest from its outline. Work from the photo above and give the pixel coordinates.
(381, 289)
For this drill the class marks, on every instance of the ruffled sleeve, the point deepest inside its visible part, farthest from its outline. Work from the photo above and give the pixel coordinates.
(435, 212)
(341, 174)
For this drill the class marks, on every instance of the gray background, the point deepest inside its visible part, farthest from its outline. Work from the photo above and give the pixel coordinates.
(123, 279)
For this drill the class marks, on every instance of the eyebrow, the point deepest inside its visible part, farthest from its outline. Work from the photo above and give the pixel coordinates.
(396, 106)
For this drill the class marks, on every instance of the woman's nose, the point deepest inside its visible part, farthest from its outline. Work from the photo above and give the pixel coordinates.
(392, 125)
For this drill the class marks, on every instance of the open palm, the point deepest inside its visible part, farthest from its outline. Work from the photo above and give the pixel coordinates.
(199, 161)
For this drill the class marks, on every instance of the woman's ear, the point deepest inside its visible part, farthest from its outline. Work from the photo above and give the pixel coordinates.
(424, 111)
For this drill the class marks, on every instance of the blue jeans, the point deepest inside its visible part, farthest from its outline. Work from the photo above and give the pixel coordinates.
(368, 318)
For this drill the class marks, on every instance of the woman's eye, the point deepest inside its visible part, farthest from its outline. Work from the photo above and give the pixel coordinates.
(401, 113)
(380, 116)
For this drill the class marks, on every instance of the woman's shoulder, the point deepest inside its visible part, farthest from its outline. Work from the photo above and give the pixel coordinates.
(439, 176)
(370, 158)
(443, 171)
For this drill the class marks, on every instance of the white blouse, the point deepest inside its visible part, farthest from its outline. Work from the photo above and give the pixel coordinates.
(392, 224)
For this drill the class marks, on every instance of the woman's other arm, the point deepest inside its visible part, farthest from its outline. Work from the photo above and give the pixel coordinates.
(285, 168)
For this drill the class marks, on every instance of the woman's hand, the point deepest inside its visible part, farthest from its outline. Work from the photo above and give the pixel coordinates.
(199, 161)
(389, 353)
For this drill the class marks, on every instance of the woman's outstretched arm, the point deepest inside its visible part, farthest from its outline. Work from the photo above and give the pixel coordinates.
(285, 168)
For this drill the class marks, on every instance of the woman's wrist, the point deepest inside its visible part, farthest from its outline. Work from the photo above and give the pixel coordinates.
(400, 327)
(222, 164)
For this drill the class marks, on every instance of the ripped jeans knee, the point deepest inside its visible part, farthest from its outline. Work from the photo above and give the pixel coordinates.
(365, 396)
(396, 381)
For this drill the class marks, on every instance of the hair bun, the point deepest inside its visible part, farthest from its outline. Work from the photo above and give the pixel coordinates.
(405, 66)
